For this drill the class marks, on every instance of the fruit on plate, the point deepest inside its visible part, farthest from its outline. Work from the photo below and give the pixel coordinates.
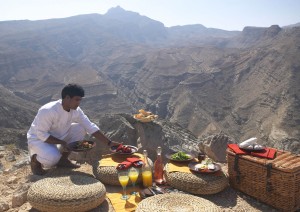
(145, 116)
(123, 149)
(83, 145)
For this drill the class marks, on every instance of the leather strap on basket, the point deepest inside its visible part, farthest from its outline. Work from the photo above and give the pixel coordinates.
(236, 169)
(269, 184)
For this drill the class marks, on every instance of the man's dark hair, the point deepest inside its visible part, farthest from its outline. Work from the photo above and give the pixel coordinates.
(72, 90)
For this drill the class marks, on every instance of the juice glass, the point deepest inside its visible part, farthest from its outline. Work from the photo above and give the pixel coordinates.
(133, 175)
(123, 179)
(147, 178)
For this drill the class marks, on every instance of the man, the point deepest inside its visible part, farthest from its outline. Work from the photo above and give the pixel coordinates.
(59, 123)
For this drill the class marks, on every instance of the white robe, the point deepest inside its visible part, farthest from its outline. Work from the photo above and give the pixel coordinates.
(52, 119)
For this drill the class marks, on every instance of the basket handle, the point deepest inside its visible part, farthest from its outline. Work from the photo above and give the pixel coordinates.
(269, 184)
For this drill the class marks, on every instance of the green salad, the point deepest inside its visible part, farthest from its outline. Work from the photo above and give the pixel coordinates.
(180, 156)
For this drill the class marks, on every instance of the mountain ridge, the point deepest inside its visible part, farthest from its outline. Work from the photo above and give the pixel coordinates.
(206, 80)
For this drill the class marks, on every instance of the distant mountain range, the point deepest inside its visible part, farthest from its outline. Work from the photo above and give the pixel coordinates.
(244, 83)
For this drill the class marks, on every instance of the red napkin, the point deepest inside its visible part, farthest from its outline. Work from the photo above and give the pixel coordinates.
(136, 162)
(267, 153)
(237, 149)
(124, 165)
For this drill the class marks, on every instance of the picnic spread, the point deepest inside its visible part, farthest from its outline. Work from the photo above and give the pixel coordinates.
(270, 175)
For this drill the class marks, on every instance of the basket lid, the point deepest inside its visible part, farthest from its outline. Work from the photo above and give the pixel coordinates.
(284, 161)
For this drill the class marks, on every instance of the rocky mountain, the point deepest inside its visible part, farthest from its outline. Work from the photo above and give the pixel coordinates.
(244, 84)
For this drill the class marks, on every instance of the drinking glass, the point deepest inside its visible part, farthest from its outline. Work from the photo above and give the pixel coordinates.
(123, 179)
(133, 175)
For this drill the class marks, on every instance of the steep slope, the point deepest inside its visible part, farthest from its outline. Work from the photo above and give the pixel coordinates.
(15, 112)
(243, 92)
(16, 115)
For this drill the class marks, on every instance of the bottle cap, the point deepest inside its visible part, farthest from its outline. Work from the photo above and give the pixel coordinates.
(159, 150)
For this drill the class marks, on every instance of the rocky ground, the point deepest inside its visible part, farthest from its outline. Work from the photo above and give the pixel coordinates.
(16, 178)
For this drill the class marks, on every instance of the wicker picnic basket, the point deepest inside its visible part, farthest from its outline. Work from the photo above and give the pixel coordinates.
(275, 182)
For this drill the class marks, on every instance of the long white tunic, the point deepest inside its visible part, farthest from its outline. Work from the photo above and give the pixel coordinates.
(52, 119)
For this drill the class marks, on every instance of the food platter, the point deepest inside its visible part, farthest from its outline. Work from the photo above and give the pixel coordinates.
(171, 158)
(195, 167)
(145, 116)
(144, 120)
(134, 149)
(81, 146)
(254, 148)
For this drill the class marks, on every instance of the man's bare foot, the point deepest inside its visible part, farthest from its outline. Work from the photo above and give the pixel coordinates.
(36, 166)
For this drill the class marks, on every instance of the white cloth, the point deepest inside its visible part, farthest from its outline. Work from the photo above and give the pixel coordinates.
(52, 119)
(248, 142)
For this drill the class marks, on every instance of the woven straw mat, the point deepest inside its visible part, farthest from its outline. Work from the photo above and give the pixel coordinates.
(109, 174)
(196, 183)
(66, 193)
(175, 202)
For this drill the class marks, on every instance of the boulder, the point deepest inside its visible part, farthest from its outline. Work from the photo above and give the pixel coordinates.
(215, 146)
(124, 128)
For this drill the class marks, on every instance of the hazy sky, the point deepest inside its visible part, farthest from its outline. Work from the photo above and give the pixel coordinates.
(222, 14)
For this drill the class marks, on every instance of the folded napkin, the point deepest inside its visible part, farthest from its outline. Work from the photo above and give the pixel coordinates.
(179, 167)
(124, 165)
(268, 153)
(236, 149)
(136, 162)
(115, 159)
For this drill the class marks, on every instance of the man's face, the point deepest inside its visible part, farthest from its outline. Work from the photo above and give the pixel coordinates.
(73, 102)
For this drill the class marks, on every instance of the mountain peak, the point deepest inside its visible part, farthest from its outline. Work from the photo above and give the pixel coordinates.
(116, 9)
(118, 12)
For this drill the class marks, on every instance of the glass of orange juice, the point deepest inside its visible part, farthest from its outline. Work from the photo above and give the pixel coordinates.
(123, 179)
(147, 178)
(133, 176)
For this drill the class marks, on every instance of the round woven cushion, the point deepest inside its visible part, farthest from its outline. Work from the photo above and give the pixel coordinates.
(109, 174)
(196, 183)
(175, 202)
(66, 193)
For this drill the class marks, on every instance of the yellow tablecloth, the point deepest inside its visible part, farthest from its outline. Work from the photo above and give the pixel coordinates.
(120, 205)
(179, 167)
(183, 167)
(115, 159)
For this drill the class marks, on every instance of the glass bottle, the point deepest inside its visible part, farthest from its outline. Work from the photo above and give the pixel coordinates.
(146, 171)
(158, 168)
